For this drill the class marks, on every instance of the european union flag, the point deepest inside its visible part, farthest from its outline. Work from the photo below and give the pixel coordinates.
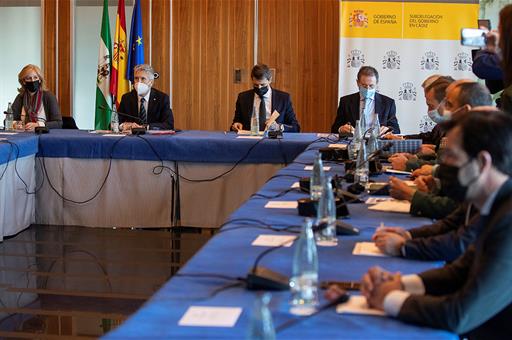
(136, 51)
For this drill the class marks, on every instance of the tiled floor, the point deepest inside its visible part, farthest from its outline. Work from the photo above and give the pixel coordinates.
(62, 282)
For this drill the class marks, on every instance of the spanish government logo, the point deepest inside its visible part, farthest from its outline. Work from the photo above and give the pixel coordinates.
(407, 92)
(358, 18)
(391, 61)
(426, 124)
(430, 61)
(355, 59)
(462, 62)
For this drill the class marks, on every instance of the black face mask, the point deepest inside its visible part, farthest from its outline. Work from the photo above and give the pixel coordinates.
(260, 91)
(450, 184)
(32, 86)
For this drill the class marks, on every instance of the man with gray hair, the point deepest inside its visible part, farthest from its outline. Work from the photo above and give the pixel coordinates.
(145, 105)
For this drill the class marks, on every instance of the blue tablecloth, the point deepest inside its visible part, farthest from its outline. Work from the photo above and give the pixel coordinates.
(230, 253)
(25, 145)
(184, 146)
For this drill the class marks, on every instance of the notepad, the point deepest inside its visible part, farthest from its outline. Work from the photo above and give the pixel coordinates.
(392, 206)
(114, 135)
(367, 249)
(357, 305)
(248, 133)
(202, 316)
(310, 167)
(281, 205)
(398, 172)
(274, 240)
(8, 133)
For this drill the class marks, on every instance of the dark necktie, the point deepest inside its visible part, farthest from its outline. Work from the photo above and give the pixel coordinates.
(142, 111)
(263, 113)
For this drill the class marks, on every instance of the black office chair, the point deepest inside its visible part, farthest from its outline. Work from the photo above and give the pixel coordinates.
(69, 123)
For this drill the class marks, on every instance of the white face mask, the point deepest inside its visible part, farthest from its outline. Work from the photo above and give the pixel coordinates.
(142, 89)
(437, 117)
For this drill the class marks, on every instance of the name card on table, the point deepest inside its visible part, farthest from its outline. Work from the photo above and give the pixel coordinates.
(367, 249)
(281, 205)
(274, 240)
(310, 167)
(357, 305)
(295, 185)
(203, 316)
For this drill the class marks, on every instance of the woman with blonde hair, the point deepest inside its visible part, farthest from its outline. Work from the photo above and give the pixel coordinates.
(34, 105)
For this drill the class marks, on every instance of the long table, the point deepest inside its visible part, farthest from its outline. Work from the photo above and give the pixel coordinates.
(230, 253)
(17, 200)
(90, 179)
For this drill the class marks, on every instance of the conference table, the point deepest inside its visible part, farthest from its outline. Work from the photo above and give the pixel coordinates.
(85, 178)
(209, 278)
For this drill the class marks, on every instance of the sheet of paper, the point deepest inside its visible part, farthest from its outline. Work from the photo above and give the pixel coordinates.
(249, 137)
(281, 205)
(202, 316)
(113, 135)
(324, 135)
(340, 146)
(310, 167)
(375, 200)
(8, 133)
(272, 119)
(357, 305)
(248, 133)
(392, 206)
(367, 249)
(273, 240)
(295, 185)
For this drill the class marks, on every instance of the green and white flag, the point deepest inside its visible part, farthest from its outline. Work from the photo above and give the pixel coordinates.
(103, 98)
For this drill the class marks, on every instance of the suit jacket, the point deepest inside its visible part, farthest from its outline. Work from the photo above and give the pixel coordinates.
(348, 112)
(159, 113)
(473, 294)
(281, 102)
(445, 240)
(431, 137)
(51, 109)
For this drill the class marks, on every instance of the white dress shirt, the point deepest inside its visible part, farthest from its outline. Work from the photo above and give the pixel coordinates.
(146, 103)
(267, 97)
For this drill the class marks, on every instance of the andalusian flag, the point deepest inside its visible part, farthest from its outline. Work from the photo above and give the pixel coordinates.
(119, 85)
(103, 99)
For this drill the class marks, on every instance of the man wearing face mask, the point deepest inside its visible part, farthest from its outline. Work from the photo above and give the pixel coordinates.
(34, 105)
(471, 296)
(365, 102)
(264, 100)
(145, 105)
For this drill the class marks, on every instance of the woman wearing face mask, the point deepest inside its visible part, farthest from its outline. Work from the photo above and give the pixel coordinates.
(145, 106)
(34, 105)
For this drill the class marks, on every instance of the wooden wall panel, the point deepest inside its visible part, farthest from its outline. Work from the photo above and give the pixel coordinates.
(145, 8)
(161, 43)
(210, 39)
(300, 39)
(49, 12)
(64, 63)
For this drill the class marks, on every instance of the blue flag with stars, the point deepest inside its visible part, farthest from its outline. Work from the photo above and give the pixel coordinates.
(136, 50)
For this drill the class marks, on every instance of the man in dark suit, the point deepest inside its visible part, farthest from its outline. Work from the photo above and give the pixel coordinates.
(368, 102)
(264, 100)
(471, 296)
(146, 105)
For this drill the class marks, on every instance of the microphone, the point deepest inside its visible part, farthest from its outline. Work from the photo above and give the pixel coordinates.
(103, 107)
(135, 130)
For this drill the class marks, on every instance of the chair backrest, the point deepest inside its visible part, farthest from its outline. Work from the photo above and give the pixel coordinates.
(68, 123)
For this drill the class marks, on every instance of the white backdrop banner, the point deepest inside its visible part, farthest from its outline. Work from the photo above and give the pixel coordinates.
(406, 41)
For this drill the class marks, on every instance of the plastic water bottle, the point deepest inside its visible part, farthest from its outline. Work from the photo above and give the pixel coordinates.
(364, 125)
(317, 179)
(326, 214)
(356, 140)
(362, 168)
(373, 144)
(9, 118)
(261, 326)
(304, 281)
(255, 123)
(114, 122)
